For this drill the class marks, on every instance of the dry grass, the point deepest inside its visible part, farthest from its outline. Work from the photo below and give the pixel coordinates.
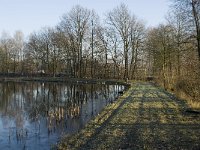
(194, 104)
(189, 89)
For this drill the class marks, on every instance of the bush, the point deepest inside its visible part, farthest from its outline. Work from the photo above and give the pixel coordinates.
(189, 87)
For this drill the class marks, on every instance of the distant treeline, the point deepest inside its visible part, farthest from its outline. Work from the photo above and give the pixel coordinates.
(119, 47)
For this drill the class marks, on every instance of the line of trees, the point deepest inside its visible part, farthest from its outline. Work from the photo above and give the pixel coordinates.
(174, 49)
(79, 46)
(121, 47)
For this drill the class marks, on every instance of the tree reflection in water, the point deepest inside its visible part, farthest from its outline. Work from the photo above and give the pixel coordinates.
(34, 115)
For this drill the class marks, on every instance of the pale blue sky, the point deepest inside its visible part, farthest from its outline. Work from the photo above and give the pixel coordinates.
(32, 15)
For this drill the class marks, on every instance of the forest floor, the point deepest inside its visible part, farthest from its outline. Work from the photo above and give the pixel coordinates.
(145, 117)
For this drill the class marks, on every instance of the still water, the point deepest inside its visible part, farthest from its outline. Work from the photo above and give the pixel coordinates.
(34, 115)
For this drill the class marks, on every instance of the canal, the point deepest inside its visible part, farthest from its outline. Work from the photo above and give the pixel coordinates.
(35, 115)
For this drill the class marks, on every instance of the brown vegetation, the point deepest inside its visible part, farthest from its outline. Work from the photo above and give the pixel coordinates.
(123, 48)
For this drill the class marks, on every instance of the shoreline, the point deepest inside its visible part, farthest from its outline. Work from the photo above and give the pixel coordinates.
(64, 80)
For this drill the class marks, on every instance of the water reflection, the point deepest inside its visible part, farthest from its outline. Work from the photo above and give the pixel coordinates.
(34, 115)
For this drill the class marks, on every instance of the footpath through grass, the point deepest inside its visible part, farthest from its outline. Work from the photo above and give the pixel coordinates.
(145, 117)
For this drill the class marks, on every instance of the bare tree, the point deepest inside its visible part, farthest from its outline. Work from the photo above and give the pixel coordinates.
(191, 9)
(76, 22)
(6, 45)
(178, 21)
(95, 25)
(18, 50)
(160, 41)
(136, 39)
(120, 19)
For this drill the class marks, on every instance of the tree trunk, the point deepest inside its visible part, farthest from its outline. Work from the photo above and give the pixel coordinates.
(92, 44)
(197, 24)
(126, 59)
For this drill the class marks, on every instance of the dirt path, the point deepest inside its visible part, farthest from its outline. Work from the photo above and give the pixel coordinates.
(146, 117)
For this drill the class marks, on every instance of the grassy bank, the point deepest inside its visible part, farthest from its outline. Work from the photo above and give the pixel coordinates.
(145, 117)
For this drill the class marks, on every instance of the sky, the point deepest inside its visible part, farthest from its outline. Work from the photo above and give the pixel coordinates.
(31, 15)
